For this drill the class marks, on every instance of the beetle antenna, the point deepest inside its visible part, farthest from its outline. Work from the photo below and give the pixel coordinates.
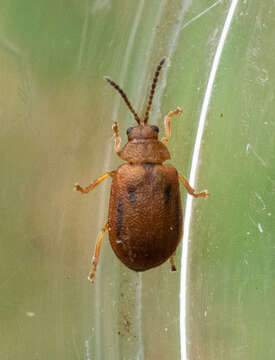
(153, 90)
(124, 96)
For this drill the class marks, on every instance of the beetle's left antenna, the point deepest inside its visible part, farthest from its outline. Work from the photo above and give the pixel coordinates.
(153, 90)
(124, 96)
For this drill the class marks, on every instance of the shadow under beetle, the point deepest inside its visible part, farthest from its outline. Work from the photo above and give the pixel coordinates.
(145, 212)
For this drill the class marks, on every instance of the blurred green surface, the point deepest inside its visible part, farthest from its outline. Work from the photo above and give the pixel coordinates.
(56, 113)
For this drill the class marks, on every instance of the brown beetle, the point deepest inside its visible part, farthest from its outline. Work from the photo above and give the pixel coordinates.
(145, 213)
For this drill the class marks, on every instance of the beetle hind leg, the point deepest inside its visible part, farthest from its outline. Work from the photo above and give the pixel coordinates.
(167, 124)
(97, 251)
(172, 263)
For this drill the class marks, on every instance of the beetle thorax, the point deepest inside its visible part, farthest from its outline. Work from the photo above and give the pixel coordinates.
(143, 146)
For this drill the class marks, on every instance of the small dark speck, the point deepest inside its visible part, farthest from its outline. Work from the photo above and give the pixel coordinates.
(221, 114)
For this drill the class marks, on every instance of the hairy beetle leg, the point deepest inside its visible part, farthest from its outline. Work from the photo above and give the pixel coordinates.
(167, 124)
(90, 187)
(118, 138)
(97, 251)
(190, 190)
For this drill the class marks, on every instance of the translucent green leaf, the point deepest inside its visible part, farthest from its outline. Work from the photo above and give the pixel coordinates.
(56, 115)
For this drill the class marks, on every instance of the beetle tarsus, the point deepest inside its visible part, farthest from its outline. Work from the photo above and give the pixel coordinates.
(204, 193)
(75, 188)
(91, 276)
(172, 263)
(90, 187)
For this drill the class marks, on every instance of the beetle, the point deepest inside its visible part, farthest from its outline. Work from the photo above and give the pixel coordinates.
(145, 212)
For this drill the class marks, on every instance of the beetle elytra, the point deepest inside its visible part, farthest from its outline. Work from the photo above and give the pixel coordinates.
(145, 212)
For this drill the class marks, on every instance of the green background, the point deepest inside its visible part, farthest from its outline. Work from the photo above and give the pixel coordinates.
(56, 115)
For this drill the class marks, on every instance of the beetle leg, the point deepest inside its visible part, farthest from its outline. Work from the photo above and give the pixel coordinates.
(167, 124)
(189, 188)
(97, 251)
(118, 138)
(90, 187)
(172, 263)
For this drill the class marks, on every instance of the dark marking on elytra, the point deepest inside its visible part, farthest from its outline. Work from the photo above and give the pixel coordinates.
(131, 192)
(119, 217)
(167, 193)
(177, 214)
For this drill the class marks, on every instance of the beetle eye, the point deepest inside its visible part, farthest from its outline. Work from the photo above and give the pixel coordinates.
(155, 128)
(129, 130)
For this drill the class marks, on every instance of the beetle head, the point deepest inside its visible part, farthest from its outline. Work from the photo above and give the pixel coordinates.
(144, 132)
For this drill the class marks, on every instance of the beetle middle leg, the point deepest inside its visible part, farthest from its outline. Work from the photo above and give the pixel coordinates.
(167, 124)
(189, 188)
(97, 251)
(90, 187)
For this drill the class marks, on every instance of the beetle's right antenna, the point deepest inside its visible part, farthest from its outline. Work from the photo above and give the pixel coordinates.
(153, 90)
(124, 96)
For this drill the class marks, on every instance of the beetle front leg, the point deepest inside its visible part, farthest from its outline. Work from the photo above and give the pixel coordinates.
(189, 188)
(118, 138)
(90, 187)
(97, 251)
(167, 124)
